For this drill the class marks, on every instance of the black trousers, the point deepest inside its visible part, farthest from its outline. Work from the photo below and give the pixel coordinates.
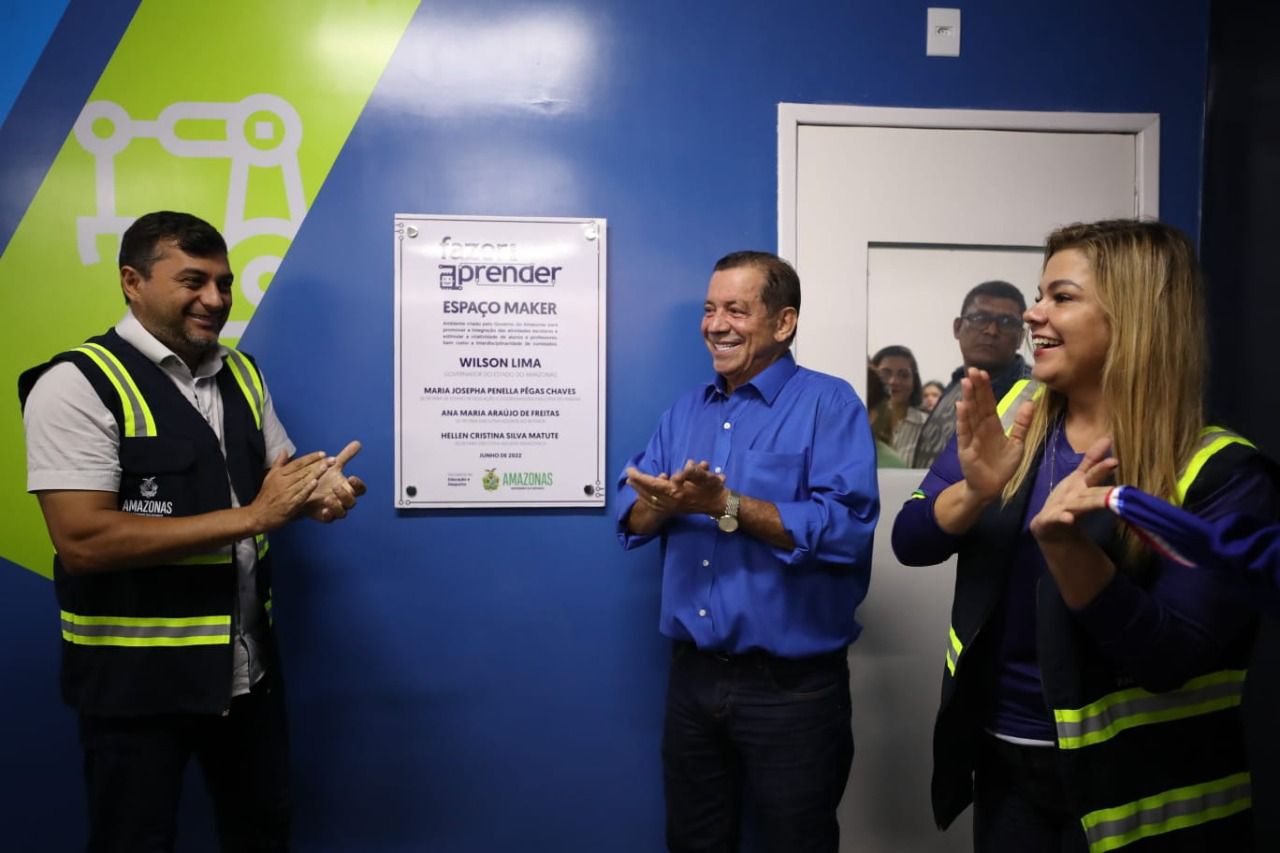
(1019, 802)
(773, 732)
(134, 767)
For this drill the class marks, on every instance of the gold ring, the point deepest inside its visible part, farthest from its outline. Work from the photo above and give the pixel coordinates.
(654, 498)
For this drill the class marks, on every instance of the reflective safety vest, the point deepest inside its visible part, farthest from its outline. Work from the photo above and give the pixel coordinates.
(1143, 770)
(157, 639)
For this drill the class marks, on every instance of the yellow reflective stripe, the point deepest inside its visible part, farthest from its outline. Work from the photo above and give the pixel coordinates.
(1007, 408)
(249, 381)
(144, 642)
(138, 421)
(1012, 394)
(1126, 709)
(953, 651)
(147, 621)
(264, 544)
(1179, 808)
(1203, 455)
(137, 631)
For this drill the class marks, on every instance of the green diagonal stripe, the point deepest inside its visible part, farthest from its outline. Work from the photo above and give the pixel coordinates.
(272, 90)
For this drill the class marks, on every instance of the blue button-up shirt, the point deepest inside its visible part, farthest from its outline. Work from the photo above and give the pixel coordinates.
(800, 440)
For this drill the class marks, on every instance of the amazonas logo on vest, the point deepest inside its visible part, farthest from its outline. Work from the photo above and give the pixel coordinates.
(146, 505)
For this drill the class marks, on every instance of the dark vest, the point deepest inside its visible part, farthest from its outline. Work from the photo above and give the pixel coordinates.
(1143, 770)
(157, 639)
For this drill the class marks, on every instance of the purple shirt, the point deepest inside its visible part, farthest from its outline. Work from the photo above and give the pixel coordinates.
(1161, 634)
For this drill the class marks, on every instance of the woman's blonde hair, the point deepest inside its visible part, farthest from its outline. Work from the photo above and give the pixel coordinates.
(1148, 286)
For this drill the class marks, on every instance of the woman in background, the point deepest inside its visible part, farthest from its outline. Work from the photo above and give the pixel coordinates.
(881, 420)
(1091, 693)
(901, 377)
(931, 394)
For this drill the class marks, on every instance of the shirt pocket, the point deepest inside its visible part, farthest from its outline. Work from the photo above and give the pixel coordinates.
(157, 476)
(772, 477)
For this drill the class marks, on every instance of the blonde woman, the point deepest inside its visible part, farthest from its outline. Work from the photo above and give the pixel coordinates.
(1091, 691)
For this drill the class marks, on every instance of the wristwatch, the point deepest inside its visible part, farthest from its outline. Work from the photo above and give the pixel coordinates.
(729, 521)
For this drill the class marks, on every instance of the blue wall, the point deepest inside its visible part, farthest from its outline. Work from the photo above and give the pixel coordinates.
(464, 681)
(24, 30)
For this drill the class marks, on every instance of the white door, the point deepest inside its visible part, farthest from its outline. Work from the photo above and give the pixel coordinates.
(890, 216)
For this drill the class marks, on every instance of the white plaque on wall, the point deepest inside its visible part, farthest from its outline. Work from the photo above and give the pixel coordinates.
(500, 361)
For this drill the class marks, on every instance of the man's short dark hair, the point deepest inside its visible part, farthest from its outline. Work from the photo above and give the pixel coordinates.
(995, 289)
(781, 284)
(140, 245)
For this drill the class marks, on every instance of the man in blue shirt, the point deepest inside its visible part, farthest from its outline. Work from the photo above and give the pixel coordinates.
(761, 487)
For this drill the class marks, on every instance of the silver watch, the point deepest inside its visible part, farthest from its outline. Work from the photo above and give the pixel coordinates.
(729, 521)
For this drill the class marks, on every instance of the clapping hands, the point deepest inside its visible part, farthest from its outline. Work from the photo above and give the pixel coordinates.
(336, 492)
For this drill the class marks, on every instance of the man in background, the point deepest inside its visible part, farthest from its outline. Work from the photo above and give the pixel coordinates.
(989, 331)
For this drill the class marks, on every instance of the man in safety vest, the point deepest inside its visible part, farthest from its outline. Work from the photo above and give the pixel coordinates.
(160, 467)
(989, 331)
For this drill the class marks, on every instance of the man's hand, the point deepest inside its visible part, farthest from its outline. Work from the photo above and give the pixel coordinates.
(692, 489)
(658, 497)
(91, 534)
(286, 488)
(336, 492)
(696, 489)
(702, 491)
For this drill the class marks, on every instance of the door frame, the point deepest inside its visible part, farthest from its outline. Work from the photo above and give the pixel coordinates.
(791, 116)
